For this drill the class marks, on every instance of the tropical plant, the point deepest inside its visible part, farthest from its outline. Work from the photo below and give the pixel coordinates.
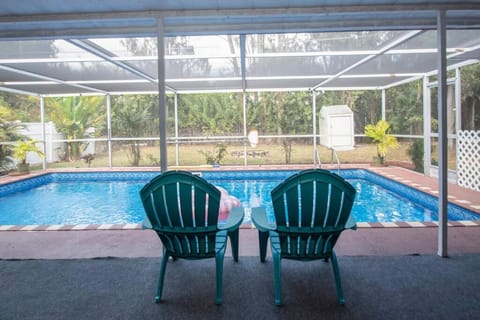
(379, 133)
(23, 147)
(74, 117)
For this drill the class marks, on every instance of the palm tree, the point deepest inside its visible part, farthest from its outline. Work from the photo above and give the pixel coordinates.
(73, 116)
(380, 134)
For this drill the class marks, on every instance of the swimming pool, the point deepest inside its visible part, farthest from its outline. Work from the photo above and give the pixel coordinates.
(112, 197)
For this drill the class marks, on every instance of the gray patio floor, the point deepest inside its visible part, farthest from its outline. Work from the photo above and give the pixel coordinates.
(376, 287)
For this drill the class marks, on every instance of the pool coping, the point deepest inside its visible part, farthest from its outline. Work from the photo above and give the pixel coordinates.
(406, 177)
(138, 226)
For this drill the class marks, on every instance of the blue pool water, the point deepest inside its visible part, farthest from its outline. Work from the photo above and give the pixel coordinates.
(113, 198)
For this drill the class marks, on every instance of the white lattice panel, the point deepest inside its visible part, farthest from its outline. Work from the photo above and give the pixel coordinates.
(468, 159)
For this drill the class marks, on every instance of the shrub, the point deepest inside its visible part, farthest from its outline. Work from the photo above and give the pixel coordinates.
(215, 157)
(415, 151)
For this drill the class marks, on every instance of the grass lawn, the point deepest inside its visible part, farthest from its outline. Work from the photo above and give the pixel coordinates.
(266, 154)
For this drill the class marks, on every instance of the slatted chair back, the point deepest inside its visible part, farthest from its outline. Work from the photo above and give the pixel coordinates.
(311, 209)
(183, 210)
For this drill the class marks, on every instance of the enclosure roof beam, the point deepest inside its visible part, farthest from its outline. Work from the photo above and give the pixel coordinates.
(391, 45)
(132, 14)
(125, 18)
(95, 49)
(243, 68)
(43, 77)
(453, 56)
(28, 93)
(131, 18)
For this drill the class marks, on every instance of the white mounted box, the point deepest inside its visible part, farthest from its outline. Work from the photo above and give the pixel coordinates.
(336, 127)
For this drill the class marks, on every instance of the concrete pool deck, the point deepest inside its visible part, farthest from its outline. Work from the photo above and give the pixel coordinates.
(145, 243)
(400, 239)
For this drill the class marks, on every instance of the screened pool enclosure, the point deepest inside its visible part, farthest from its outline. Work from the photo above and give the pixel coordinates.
(117, 48)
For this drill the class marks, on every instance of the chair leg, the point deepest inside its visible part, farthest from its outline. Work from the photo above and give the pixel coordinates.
(233, 235)
(219, 270)
(263, 240)
(338, 280)
(161, 276)
(277, 277)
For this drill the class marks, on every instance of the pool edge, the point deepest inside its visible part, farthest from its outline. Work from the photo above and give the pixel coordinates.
(138, 226)
(381, 171)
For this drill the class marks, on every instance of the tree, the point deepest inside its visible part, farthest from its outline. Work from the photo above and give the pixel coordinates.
(471, 97)
(367, 109)
(210, 114)
(405, 108)
(132, 117)
(280, 112)
(74, 117)
(26, 108)
(8, 124)
(9, 127)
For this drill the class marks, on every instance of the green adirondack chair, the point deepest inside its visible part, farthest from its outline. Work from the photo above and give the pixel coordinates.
(311, 210)
(183, 210)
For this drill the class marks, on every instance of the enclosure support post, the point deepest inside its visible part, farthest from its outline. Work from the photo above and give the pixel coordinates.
(244, 107)
(427, 127)
(384, 103)
(314, 123)
(44, 136)
(175, 97)
(162, 103)
(442, 135)
(243, 72)
(458, 100)
(109, 130)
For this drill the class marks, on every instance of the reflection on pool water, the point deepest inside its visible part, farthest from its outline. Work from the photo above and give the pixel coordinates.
(372, 202)
(113, 198)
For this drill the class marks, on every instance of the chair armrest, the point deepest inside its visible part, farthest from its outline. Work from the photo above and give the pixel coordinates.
(260, 220)
(234, 220)
(147, 224)
(351, 223)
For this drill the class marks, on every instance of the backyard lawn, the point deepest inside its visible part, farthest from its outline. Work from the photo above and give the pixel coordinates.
(194, 155)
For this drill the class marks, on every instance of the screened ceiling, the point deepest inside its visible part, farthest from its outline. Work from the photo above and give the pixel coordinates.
(215, 46)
